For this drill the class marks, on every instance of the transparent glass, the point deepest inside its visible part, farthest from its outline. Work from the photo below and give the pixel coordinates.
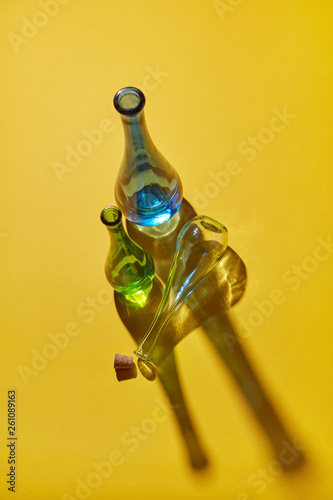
(199, 247)
(148, 189)
(128, 268)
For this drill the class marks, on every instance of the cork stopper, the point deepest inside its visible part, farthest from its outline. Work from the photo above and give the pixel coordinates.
(123, 362)
(124, 366)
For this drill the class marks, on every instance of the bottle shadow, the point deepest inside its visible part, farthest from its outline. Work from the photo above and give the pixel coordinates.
(137, 318)
(206, 307)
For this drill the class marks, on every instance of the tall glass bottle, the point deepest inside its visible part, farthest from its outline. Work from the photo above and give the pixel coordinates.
(128, 268)
(148, 190)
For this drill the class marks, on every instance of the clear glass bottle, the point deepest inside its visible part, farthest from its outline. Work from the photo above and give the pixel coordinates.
(148, 190)
(128, 268)
(200, 245)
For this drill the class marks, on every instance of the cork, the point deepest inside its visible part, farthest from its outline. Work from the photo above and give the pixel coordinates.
(122, 362)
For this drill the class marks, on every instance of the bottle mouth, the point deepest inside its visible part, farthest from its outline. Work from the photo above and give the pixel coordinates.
(129, 101)
(111, 216)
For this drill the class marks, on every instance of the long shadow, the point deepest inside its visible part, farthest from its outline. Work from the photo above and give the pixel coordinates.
(219, 329)
(206, 307)
(137, 318)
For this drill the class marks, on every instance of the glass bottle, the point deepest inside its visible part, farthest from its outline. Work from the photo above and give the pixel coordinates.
(148, 190)
(128, 268)
(200, 245)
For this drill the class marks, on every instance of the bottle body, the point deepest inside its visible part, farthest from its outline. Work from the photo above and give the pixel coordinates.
(148, 189)
(128, 268)
(200, 245)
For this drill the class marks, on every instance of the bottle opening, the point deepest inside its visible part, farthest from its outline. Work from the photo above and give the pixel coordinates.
(111, 216)
(129, 101)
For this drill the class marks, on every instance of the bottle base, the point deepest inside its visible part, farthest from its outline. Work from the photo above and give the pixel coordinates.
(154, 220)
(140, 297)
(146, 214)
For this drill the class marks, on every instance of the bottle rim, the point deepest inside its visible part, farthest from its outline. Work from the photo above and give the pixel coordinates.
(111, 216)
(129, 101)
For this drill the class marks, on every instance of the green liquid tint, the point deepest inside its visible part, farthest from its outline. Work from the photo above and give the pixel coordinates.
(128, 268)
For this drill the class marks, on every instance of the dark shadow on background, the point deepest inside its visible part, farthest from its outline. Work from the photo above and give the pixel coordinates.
(137, 320)
(206, 307)
(127, 373)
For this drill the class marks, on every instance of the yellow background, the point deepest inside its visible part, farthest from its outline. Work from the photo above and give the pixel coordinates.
(221, 73)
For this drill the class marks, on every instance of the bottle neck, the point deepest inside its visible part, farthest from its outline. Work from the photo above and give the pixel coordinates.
(136, 133)
(118, 236)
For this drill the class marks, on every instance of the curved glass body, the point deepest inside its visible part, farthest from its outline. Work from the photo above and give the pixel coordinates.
(148, 190)
(128, 268)
(200, 245)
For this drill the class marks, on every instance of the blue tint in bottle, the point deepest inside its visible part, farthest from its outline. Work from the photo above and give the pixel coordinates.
(148, 189)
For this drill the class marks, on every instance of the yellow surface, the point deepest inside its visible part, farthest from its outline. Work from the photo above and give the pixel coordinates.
(214, 75)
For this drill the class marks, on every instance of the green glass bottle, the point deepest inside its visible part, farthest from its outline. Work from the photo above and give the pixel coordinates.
(128, 268)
